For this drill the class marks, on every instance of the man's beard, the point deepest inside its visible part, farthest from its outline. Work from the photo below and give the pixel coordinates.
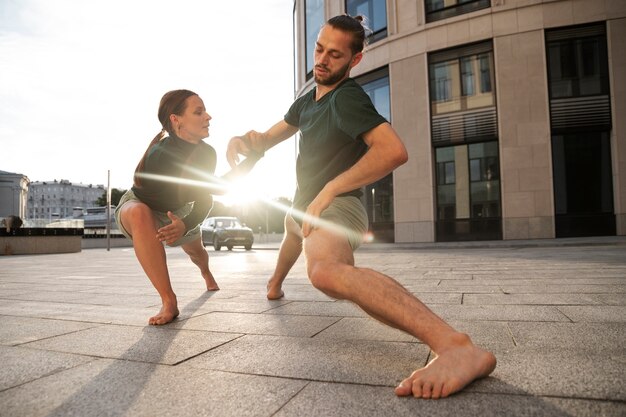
(334, 77)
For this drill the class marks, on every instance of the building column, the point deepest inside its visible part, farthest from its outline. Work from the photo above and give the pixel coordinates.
(524, 136)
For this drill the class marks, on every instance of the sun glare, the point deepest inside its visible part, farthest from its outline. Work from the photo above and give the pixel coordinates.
(241, 192)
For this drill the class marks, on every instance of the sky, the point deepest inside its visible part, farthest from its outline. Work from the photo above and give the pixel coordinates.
(81, 81)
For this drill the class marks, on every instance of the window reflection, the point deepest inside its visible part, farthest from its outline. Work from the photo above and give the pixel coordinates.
(468, 181)
(376, 13)
(462, 83)
(314, 18)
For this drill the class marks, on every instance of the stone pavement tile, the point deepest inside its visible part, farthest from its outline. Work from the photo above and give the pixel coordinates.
(596, 337)
(530, 299)
(43, 309)
(353, 328)
(538, 282)
(45, 295)
(131, 316)
(499, 312)
(456, 288)
(122, 388)
(363, 362)
(150, 299)
(21, 365)
(269, 324)
(17, 330)
(598, 314)
(437, 297)
(332, 399)
(513, 288)
(239, 305)
(320, 308)
(611, 299)
(559, 372)
(490, 335)
(148, 344)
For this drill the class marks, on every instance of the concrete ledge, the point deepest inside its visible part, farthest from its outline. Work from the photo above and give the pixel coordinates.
(39, 240)
(31, 245)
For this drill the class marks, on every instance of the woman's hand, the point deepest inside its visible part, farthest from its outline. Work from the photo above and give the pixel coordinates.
(173, 231)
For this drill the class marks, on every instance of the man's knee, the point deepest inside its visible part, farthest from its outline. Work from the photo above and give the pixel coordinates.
(321, 274)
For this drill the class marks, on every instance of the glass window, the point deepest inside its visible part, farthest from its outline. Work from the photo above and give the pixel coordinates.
(376, 13)
(378, 90)
(314, 17)
(440, 9)
(577, 66)
(462, 83)
(468, 181)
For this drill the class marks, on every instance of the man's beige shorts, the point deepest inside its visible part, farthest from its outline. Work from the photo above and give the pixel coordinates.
(346, 216)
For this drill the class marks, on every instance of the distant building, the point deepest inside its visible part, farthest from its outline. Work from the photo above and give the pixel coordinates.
(513, 113)
(57, 199)
(13, 193)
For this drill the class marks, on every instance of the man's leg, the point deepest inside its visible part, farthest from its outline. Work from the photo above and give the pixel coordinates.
(330, 266)
(290, 250)
(200, 257)
(138, 220)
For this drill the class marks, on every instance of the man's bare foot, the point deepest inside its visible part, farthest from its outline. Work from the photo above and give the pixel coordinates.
(452, 370)
(274, 291)
(211, 285)
(168, 313)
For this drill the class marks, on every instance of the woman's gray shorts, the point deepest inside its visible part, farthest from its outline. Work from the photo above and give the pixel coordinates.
(160, 219)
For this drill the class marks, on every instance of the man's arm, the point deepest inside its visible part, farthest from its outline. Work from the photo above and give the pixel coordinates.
(258, 142)
(386, 152)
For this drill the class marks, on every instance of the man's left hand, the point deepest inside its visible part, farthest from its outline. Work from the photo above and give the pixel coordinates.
(314, 210)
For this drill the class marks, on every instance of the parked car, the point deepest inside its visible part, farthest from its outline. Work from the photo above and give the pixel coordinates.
(226, 231)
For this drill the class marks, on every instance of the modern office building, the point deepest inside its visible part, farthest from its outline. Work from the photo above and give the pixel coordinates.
(52, 200)
(513, 113)
(13, 192)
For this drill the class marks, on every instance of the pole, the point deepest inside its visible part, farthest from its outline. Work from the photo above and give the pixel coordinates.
(373, 205)
(109, 210)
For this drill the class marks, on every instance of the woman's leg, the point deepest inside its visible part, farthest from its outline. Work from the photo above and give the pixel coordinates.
(200, 257)
(138, 220)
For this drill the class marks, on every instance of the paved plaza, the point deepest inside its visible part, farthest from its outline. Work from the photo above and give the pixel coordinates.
(74, 339)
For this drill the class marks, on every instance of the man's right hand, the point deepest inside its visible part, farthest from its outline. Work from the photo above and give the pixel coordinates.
(242, 145)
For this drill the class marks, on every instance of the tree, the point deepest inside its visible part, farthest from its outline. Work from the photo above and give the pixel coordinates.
(116, 194)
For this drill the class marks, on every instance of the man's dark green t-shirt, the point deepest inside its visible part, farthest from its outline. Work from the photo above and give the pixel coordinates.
(331, 139)
(172, 160)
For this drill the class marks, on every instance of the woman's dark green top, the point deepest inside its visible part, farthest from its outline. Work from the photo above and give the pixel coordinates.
(174, 175)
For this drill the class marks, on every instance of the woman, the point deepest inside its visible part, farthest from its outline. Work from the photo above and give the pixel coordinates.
(164, 205)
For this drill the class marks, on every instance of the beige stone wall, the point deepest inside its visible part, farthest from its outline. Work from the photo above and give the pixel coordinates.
(616, 38)
(413, 182)
(524, 136)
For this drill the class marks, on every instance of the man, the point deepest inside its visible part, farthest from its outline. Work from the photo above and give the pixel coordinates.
(345, 145)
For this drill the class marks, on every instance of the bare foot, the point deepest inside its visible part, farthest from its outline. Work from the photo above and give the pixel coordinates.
(168, 313)
(452, 370)
(274, 292)
(211, 285)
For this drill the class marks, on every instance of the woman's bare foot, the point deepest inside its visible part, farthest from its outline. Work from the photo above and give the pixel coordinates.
(168, 313)
(452, 370)
(211, 285)
(274, 291)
